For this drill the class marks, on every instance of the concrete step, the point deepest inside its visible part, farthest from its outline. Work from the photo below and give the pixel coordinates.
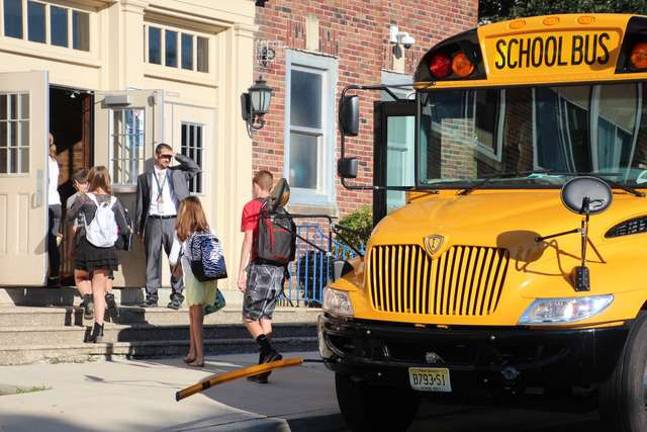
(33, 336)
(53, 316)
(80, 352)
(68, 296)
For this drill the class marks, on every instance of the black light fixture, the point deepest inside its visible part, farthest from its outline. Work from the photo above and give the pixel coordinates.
(255, 104)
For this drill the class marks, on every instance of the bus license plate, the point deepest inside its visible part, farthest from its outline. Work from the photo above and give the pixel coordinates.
(430, 379)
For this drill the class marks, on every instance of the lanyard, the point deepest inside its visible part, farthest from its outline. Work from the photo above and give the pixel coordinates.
(160, 187)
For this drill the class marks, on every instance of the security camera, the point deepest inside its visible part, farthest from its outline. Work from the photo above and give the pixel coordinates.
(407, 40)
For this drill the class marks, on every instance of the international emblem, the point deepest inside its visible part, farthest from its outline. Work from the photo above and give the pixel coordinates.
(433, 243)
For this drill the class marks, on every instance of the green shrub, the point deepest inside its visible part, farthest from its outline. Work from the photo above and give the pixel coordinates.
(361, 223)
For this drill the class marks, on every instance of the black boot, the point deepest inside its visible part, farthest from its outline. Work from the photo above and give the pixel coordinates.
(113, 311)
(88, 307)
(97, 334)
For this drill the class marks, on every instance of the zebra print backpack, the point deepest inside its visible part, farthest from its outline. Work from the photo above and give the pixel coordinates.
(207, 259)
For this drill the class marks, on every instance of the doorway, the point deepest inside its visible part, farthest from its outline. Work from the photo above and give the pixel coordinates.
(70, 120)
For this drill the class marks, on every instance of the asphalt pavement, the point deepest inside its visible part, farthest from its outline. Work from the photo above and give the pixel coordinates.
(125, 395)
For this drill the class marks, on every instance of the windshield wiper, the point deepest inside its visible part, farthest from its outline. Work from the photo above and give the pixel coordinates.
(612, 183)
(488, 179)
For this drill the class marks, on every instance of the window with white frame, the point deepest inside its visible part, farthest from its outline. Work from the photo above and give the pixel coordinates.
(309, 135)
(176, 48)
(192, 139)
(46, 23)
(14, 133)
(126, 145)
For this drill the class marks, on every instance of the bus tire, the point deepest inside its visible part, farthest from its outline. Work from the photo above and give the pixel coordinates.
(375, 408)
(622, 397)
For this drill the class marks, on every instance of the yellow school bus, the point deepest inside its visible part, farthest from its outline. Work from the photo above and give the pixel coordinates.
(516, 267)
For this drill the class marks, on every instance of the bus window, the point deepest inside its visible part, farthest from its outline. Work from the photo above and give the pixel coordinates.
(618, 107)
(400, 158)
(561, 127)
(467, 135)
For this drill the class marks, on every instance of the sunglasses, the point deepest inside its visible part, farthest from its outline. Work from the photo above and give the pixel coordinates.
(166, 156)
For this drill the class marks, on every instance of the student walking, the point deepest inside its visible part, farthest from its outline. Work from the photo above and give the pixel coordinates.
(159, 193)
(96, 256)
(54, 215)
(192, 221)
(261, 282)
(80, 183)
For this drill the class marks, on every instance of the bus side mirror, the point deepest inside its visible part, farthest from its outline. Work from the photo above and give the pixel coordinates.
(347, 168)
(349, 115)
(585, 196)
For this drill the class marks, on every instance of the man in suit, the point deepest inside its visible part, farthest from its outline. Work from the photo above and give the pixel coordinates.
(160, 189)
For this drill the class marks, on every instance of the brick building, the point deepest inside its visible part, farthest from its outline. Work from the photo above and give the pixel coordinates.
(318, 47)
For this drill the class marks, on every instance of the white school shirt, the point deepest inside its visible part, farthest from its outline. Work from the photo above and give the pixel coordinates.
(167, 206)
(53, 197)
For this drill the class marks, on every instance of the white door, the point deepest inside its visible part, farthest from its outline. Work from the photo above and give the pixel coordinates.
(128, 126)
(24, 123)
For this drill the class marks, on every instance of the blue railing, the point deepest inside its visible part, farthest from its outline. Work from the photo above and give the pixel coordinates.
(312, 268)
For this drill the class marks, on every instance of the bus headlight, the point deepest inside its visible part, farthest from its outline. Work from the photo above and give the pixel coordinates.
(564, 310)
(336, 302)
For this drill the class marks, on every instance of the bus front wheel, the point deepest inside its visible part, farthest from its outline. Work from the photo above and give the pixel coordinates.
(375, 408)
(623, 397)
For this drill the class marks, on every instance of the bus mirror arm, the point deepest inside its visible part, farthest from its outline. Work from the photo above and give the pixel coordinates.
(580, 276)
(348, 167)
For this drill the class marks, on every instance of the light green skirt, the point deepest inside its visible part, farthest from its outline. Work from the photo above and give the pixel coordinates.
(196, 292)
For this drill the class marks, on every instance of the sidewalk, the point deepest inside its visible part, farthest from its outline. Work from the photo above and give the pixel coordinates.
(124, 395)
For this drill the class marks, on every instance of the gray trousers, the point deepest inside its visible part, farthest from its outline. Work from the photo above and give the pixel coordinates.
(158, 234)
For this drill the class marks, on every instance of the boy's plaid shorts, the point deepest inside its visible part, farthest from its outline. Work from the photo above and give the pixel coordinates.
(264, 284)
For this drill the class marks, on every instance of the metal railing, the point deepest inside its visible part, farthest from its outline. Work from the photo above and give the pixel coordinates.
(312, 268)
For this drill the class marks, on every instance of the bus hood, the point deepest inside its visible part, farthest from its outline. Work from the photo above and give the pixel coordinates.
(496, 218)
(477, 260)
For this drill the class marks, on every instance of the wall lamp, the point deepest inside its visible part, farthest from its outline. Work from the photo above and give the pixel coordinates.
(255, 104)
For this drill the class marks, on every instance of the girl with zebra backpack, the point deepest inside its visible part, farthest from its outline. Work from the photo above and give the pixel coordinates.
(197, 255)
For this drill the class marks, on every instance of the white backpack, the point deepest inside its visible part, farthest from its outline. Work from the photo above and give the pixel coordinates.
(103, 230)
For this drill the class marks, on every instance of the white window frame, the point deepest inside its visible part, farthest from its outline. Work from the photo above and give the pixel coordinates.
(200, 147)
(180, 31)
(111, 154)
(324, 194)
(48, 25)
(20, 146)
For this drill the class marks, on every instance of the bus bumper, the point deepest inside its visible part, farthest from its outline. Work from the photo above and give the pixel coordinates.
(477, 357)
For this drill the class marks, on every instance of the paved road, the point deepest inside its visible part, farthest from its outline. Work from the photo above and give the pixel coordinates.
(139, 396)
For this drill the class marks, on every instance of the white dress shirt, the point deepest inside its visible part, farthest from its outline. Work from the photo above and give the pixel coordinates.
(53, 197)
(164, 205)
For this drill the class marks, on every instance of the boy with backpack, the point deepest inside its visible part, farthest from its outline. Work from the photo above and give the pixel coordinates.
(262, 270)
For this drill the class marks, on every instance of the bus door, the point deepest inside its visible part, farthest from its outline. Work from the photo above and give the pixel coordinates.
(24, 124)
(393, 153)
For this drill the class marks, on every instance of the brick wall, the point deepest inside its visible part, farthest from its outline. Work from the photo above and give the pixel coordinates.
(356, 33)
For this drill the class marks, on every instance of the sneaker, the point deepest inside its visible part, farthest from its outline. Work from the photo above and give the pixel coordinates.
(113, 311)
(88, 307)
(149, 302)
(175, 304)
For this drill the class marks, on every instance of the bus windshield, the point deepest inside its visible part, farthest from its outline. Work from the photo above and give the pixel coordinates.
(470, 134)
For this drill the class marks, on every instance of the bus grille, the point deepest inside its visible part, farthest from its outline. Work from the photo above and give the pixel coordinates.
(463, 281)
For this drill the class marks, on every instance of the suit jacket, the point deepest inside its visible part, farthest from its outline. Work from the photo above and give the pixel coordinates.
(178, 177)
